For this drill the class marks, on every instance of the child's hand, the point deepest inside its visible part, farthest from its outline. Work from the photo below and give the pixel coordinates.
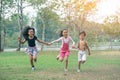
(73, 46)
(49, 44)
(89, 54)
(19, 38)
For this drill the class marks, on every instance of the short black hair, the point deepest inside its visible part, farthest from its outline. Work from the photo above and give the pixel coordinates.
(82, 32)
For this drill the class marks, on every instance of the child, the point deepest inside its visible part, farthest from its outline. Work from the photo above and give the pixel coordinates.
(82, 46)
(64, 50)
(29, 35)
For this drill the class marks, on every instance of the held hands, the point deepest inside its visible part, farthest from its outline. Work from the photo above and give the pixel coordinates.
(49, 44)
(73, 46)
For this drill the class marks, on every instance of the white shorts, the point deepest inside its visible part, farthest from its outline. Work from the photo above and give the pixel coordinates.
(81, 55)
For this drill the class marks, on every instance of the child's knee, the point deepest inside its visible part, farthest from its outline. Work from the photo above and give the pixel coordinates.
(83, 61)
(60, 59)
(66, 60)
(31, 59)
(34, 57)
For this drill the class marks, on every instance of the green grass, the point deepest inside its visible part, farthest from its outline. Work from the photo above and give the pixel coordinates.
(101, 65)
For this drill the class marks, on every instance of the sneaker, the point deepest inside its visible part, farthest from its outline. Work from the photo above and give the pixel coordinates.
(78, 70)
(66, 70)
(33, 68)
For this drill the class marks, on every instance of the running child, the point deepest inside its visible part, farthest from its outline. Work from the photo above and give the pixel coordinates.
(64, 50)
(29, 36)
(82, 46)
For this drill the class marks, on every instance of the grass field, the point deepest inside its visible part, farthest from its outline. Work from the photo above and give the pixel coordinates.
(101, 65)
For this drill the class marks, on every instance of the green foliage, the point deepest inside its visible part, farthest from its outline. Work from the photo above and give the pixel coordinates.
(51, 23)
(12, 30)
(37, 3)
(111, 26)
(7, 3)
(75, 13)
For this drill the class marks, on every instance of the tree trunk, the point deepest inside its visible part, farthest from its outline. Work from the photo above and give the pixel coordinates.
(1, 48)
(43, 37)
(43, 31)
(0, 23)
(4, 36)
(20, 20)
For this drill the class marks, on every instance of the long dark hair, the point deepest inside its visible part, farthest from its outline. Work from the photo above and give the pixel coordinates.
(25, 31)
(61, 32)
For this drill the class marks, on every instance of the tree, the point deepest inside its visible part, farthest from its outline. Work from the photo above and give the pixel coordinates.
(20, 8)
(42, 15)
(20, 20)
(47, 24)
(4, 6)
(76, 11)
(12, 30)
(111, 27)
(1, 25)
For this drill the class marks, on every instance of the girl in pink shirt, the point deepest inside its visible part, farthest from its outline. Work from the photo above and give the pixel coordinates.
(64, 49)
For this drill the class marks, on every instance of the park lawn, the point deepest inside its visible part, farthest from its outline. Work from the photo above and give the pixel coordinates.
(101, 65)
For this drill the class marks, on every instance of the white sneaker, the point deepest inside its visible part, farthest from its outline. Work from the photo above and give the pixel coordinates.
(66, 70)
(78, 70)
(33, 68)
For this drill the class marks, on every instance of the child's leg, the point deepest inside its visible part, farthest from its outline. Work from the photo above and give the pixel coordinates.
(35, 54)
(84, 58)
(83, 62)
(66, 62)
(35, 58)
(31, 60)
(79, 60)
(66, 59)
(61, 59)
(61, 56)
(79, 64)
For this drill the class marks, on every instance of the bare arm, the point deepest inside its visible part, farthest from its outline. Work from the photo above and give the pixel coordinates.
(76, 46)
(21, 41)
(55, 41)
(40, 41)
(87, 46)
(73, 43)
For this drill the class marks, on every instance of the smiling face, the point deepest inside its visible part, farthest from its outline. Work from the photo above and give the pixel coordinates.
(31, 32)
(65, 33)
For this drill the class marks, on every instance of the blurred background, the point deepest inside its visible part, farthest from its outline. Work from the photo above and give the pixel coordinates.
(99, 18)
